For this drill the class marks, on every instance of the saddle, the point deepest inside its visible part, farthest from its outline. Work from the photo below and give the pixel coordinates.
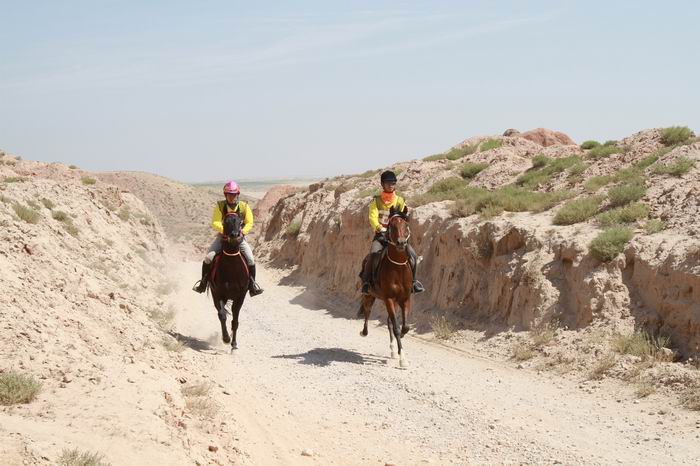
(376, 265)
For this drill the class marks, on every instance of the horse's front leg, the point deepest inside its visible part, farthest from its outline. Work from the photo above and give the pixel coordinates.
(391, 323)
(235, 312)
(222, 319)
(405, 314)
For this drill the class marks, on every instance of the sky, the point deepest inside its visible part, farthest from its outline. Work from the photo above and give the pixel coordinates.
(212, 90)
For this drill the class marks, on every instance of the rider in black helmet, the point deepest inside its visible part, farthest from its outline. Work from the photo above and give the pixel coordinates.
(379, 219)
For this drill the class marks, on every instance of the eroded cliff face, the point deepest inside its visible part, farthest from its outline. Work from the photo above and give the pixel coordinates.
(516, 270)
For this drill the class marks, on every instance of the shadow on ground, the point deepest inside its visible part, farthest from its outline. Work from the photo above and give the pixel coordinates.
(192, 342)
(325, 356)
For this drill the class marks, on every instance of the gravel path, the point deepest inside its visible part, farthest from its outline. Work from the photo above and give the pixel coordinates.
(306, 388)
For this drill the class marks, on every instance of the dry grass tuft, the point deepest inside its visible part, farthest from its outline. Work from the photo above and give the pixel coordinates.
(76, 457)
(173, 344)
(522, 351)
(543, 335)
(602, 367)
(644, 389)
(643, 345)
(18, 388)
(442, 328)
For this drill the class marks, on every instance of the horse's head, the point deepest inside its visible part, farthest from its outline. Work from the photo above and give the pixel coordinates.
(398, 230)
(232, 228)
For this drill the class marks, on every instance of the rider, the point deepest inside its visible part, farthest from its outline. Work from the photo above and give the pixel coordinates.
(231, 204)
(379, 219)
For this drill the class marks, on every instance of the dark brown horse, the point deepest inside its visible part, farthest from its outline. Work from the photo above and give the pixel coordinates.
(230, 282)
(393, 285)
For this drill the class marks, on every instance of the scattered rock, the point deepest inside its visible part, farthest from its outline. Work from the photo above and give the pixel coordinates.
(213, 448)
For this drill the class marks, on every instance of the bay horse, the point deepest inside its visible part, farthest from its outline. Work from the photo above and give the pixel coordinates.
(393, 285)
(229, 283)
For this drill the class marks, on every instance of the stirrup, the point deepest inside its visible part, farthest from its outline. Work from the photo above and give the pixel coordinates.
(365, 288)
(418, 287)
(199, 287)
(254, 289)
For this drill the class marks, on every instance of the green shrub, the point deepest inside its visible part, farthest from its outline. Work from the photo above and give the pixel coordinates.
(609, 143)
(626, 193)
(577, 169)
(678, 168)
(470, 170)
(631, 175)
(442, 328)
(596, 182)
(17, 388)
(294, 228)
(490, 144)
(25, 213)
(459, 152)
(447, 185)
(124, 213)
(48, 203)
(590, 144)
(647, 161)
(577, 210)
(603, 151)
(71, 229)
(675, 135)
(60, 216)
(540, 161)
(654, 226)
(609, 243)
(72, 167)
(14, 179)
(628, 214)
(641, 344)
(509, 198)
(87, 180)
(432, 158)
(537, 177)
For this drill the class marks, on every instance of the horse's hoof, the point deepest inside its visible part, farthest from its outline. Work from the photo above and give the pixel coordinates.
(405, 330)
(394, 355)
(234, 346)
(363, 333)
(403, 363)
(226, 338)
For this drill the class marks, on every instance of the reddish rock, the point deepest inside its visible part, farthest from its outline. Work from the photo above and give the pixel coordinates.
(547, 137)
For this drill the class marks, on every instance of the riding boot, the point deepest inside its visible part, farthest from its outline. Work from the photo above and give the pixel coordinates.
(417, 286)
(253, 287)
(201, 285)
(366, 274)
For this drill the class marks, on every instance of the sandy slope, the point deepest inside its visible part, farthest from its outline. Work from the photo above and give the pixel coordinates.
(303, 379)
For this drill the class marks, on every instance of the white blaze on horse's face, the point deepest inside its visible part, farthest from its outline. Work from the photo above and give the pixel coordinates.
(399, 232)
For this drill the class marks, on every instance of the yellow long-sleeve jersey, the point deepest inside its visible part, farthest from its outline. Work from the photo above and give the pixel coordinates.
(242, 208)
(379, 211)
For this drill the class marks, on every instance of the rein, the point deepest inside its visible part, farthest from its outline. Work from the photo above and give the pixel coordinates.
(388, 256)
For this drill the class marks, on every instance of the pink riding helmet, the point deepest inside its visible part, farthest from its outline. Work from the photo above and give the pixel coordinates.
(232, 188)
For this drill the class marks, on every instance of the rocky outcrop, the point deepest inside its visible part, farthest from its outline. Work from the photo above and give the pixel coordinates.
(547, 137)
(516, 270)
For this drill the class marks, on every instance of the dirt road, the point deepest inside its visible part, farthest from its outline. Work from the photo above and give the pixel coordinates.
(305, 381)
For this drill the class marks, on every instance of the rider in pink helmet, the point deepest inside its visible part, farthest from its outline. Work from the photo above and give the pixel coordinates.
(231, 204)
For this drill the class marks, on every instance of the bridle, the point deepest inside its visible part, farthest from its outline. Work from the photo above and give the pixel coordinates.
(226, 238)
(393, 243)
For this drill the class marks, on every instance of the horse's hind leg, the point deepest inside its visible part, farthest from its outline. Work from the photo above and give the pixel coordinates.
(366, 308)
(222, 319)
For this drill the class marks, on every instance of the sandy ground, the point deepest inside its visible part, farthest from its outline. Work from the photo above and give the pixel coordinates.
(305, 381)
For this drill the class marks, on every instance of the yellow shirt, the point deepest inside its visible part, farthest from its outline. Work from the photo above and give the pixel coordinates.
(242, 209)
(379, 211)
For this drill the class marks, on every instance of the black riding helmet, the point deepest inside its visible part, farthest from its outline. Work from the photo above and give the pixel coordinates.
(388, 177)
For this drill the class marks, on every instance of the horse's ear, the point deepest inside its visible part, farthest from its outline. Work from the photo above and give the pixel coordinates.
(392, 211)
(404, 212)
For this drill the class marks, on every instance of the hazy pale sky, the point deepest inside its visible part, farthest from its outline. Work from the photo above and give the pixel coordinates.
(209, 90)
